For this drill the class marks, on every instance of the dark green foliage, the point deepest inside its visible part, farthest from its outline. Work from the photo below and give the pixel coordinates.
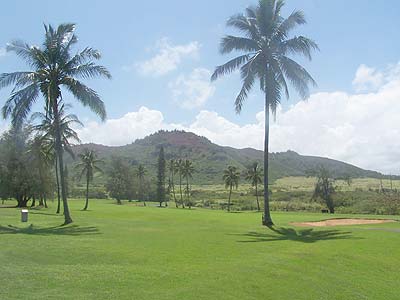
(325, 188)
(120, 180)
(161, 193)
(87, 167)
(231, 178)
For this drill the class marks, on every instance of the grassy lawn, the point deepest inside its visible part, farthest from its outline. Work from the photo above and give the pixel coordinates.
(131, 252)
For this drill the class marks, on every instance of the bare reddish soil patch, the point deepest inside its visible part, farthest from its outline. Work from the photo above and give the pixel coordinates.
(342, 222)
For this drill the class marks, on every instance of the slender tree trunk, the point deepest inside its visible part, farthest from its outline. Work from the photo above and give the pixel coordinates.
(173, 188)
(33, 201)
(45, 201)
(258, 202)
(58, 189)
(59, 151)
(87, 193)
(180, 190)
(188, 192)
(229, 199)
(267, 220)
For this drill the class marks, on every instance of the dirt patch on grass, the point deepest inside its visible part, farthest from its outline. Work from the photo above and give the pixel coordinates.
(342, 222)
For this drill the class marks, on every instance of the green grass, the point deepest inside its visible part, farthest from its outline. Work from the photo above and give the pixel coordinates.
(132, 252)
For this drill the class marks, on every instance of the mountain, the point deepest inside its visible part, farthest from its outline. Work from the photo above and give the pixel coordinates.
(210, 159)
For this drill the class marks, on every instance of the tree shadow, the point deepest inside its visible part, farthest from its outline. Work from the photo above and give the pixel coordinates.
(73, 230)
(290, 234)
(38, 212)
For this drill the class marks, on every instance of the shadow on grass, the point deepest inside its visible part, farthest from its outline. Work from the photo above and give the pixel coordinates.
(38, 212)
(73, 230)
(290, 234)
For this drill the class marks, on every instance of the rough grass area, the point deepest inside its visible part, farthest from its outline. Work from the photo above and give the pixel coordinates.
(132, 252)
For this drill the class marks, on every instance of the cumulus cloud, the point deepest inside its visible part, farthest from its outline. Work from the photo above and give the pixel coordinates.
(168, 57)
(194, 90)
(367, 79)
(360, 128)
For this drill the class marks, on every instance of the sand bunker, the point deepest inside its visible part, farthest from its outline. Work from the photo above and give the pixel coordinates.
(342, 222)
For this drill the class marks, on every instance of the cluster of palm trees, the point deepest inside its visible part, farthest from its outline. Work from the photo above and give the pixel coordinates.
(267, 49)
(53, 70)
(183, 170)
(232, 176)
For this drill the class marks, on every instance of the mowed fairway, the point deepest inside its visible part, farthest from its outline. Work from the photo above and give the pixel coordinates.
(131, 252)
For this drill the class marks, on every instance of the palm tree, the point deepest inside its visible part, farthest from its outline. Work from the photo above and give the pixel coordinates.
(46, 129)
(267, 48)
(53, 69)
(179, 168)
(254, 175)
(89, 164)
(171, 165)
(141, 172)
(231, 179)
(187, 173)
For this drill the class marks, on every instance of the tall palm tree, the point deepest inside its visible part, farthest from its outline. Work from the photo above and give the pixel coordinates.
(267, 47)
(254, 175)
(88, 165)
(46, 128)
(141, 172)
(231, 178)
(187, 173)
(179, 168)
(53, 69)
(171, 165)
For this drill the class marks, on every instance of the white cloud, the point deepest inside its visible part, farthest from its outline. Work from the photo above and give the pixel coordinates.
(168, 57)
(367, 79)
(362, 129)
(194, 90)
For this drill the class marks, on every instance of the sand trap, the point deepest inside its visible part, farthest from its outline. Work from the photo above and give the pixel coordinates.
(342, 222)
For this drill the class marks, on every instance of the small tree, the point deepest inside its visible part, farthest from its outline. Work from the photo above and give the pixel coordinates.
(120, 180)
(161, 177)
(324, 188)
(87, 167)
(231, 178)
(254, 175)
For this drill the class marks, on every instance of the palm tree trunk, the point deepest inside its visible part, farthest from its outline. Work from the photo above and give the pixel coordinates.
(180, 190)
(267, 220)
(173, 188)
(188, 192)
(58, 189)
(59, 151)
(229, 200)
(87, 193)
(258, 202)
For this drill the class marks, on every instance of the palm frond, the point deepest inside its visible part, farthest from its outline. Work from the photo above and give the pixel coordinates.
(89, 70)
(230, 66)
(231, 43)
(299, 45)
(86, 96)
(298, 76)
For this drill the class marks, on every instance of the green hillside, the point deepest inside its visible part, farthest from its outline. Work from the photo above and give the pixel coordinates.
(210, 159)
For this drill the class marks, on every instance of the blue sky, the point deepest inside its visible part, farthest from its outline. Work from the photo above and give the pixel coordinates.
(131, 33)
